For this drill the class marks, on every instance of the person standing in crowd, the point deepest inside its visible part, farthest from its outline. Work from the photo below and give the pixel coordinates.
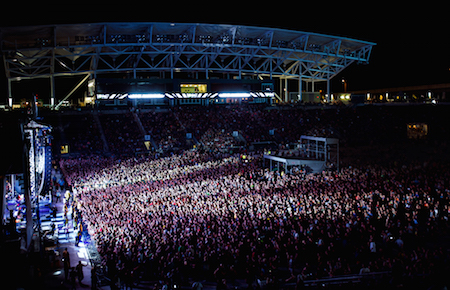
(66, 263)
(78, 239)
(94, 279)
(73, 276)
(79, 271)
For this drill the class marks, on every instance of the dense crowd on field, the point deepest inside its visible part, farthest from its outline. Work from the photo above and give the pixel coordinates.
(177, 216)
(214, 216)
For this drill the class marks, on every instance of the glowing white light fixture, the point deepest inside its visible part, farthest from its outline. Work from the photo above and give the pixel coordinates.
(146, 96)
(234, 95)
(102, 96)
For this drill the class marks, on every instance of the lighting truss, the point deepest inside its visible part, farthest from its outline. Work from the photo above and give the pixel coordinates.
(37, 156)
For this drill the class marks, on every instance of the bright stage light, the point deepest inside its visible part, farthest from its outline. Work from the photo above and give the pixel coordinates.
(247, 95)
(146, 96)
(234, 95)
(102, 96)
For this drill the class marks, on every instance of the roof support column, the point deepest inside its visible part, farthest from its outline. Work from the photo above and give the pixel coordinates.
(10, 99)
(328, 89)
(300, 88)
(286, 90)
(281, 88)
(52, 91)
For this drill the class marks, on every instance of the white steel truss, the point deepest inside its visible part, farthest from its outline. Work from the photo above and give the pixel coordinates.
(65, 50)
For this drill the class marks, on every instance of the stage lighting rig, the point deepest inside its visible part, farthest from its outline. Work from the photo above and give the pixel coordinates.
(37, 167)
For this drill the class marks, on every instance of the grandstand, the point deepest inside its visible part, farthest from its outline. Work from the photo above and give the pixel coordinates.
(181, 62)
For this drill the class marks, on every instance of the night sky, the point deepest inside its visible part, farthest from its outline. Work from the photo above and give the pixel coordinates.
(413, 42)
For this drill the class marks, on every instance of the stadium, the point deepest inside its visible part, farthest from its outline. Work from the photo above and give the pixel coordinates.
(207, 156)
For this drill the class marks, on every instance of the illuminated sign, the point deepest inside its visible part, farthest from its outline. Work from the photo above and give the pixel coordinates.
(193, 88)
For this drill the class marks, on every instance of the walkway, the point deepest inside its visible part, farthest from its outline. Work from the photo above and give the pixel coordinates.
(66, 236)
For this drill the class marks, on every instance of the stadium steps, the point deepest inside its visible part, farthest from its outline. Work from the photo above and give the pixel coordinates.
(139, 123)
(61, 127)
(102, 133)
(142, 130)
(196, 142)
(240, 139)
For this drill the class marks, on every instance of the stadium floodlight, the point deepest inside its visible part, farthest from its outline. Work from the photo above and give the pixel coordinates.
(234, 95)
(190, 95)
(146, 96)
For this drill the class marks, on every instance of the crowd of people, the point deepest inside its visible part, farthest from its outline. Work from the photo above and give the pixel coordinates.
(206, 214)
(199, 216)
(121, 133)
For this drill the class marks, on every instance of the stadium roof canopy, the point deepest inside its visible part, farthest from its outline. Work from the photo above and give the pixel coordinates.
(50, 51)
(58, 50)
